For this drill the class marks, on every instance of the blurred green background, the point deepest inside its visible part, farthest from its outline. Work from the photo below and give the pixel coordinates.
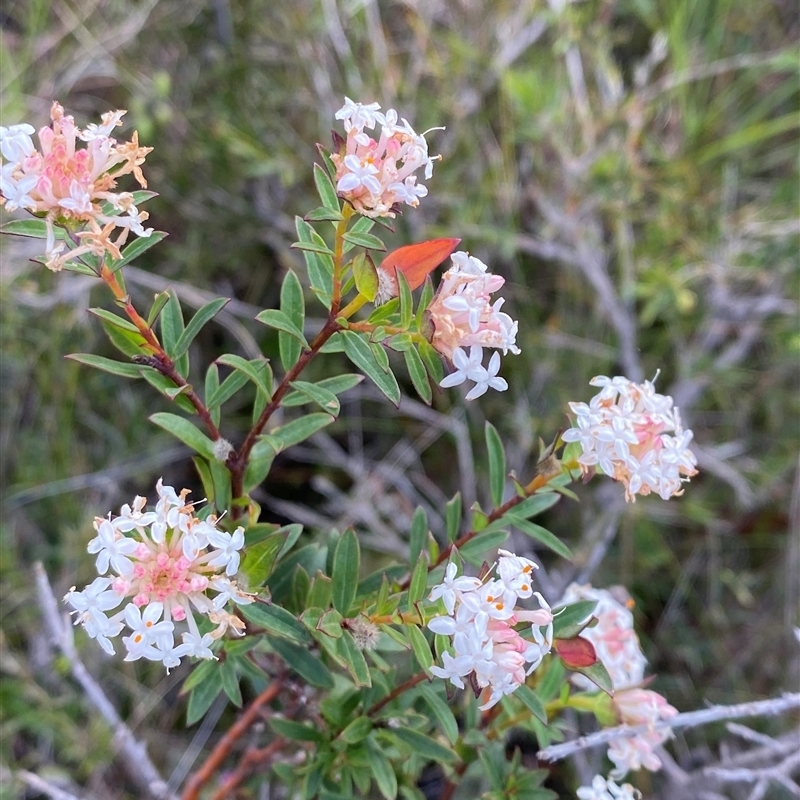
(629, 166)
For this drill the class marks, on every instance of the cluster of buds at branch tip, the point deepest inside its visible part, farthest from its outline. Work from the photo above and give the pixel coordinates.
(72, 185)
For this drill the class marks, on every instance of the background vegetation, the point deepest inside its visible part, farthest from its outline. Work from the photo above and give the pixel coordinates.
(628, 165)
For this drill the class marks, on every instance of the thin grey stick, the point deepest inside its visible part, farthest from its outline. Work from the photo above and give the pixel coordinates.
(689, 719)
(138, 765)
(41, 785)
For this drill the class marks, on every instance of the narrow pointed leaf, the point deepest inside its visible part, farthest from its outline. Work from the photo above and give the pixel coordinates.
(346, 564)
(279, 320)
(325, 399)
(418, 374)
(277, 621)
(138, 246)
(185, 431)
(497, 464)
(120, 368)
(325, 189)
(293, 306)
(303, 662)
(196, 323)
(359, 352)
(541, 535)
(532, 702)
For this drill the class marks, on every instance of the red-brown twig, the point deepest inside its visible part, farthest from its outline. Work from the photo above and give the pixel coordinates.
(226, 743)
(250, 759)
(403, 687)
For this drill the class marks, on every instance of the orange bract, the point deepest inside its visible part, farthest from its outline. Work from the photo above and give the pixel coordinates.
(416, 261)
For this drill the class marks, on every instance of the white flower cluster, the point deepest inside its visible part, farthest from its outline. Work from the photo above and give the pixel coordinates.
(463, 315)
(625, 430)
(602, 789)
(376, 175)
(481, 618)
(71, 184)
(165, 563)
(618, 649)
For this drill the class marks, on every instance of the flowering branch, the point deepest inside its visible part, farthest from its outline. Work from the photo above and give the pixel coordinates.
(137, 763)
(689, 719)
(223, 748)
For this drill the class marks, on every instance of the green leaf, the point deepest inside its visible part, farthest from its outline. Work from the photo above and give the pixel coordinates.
(432, 361)
(230, 682)
(453, 517)
(186, 431)
(196, 323)
(420, 743)
(337, 385)
(293, 307)
(357, 730)
(138, 246)
(296, 731)
(120, 368)
(257, 370)
(226, 390)
(352, 658)
(406, 301)
(292, 532)
(419, 377)
(419, 581)
(325, 189)
(418, 535)
(367, 240)
(31, 228)
(535, 504)
(442, 712)
(598, 675)
(420, 646)
(382, 770)
(279, 320)
(297, 430)
(203, 695)
(320, 267)
(171, 320)
(531, 702)
(359, 352)
(303, 662)
(324, 398)
(322, 214)
(259, 559)
(568, 620)
(168, 388)
(474, 550)
(277, 621)
(497, 464)
(365, 276)
(540, 534)
(313, 247)
(222, 485)
(346, 564)
(159, 302)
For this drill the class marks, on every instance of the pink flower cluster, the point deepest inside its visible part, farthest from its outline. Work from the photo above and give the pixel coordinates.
(166, 561)
(463, 315)
(635, 436)
(481, 618)
(376, 176)
(72, 185)
(617, 648)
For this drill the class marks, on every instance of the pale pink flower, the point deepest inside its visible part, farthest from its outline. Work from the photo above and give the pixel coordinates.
(71, 185)
(375, 174)
(635, 436)
(602, 789)
(462, 316)
(165, 569)
(614, 639)
(482, 621)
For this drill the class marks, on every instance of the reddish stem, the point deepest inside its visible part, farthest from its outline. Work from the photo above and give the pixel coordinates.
(403, 687)
(223, 748)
